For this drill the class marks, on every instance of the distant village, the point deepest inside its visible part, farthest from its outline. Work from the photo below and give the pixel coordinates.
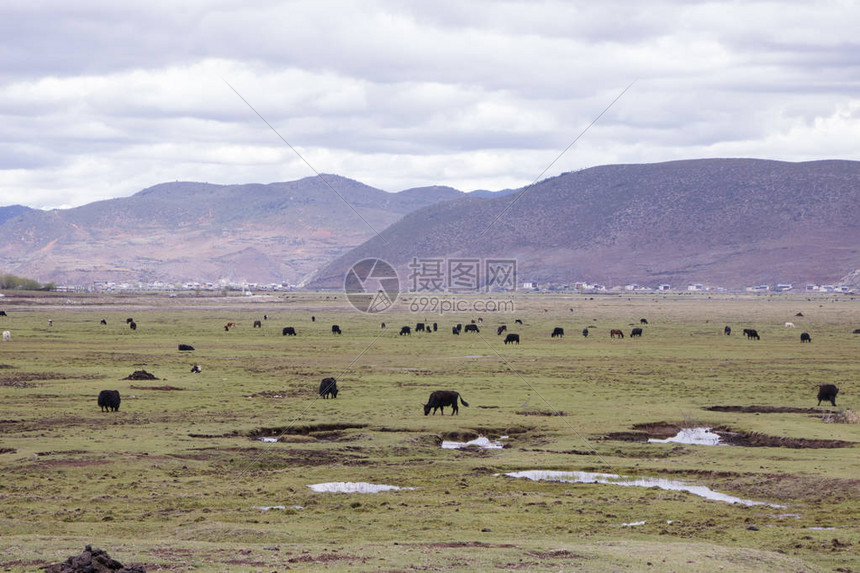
(529, 286)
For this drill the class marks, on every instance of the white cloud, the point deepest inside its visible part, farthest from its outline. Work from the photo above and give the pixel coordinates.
(101, 100)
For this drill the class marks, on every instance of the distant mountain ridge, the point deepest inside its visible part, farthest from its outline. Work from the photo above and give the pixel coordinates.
(723, 222)
(187, 231)
(726, 222)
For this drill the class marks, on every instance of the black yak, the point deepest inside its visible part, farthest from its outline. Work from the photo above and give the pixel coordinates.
(441, 398)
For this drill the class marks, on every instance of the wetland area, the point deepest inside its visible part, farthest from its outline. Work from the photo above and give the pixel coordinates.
(243, 467)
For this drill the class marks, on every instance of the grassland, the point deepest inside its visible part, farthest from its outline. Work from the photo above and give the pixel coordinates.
(178, 479)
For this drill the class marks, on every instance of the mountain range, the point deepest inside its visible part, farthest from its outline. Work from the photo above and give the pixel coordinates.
(726, 222)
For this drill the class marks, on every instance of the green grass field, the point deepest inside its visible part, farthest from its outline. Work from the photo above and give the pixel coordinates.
(177, 479)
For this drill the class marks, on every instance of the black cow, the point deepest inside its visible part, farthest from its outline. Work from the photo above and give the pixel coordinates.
(129, 320)
(585, 332)
(3, 313)
(856, 331)
(501, 329)
(804, 337)
(258, 324)
(472, 328)
(104, 322)
(383, 325)
(455, 331)
(751, 334)
(827, 393)
(636, 332)
(328, 387)
(557, 332)
(460, 326)
(109, 400)
(196, 369)
(511, 337)
(419, 327)
(406, 330)
(441, 398)
(435, 327)
(186, 347)
(288, 330)
(313, 318)
(727, 330)
(643, 321)
(518, 321)
(132, 325)
(335, 329)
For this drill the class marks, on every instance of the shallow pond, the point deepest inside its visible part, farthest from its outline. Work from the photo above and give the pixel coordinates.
(693, 436)
(613, 479)
(354, 487)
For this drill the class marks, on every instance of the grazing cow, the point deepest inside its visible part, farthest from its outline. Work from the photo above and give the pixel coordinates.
(472, 328)
(615, 333)
(132, 325)
(856, 331)
(455, 331)
(419, 327)
(50, 322)
(441, 398)
(104, 322)
(827, 393)
(335, 329)
(585, 332)
(435, 327)
(789, 325)
(643, 321)
(383, 325)
(804, 337)
(518, 321)
(751, 334)
(328, 387)
(186, 347)
(557, 332)
(265, 317)
(258, 324)
(129, 320)
(313, 318)
(288, 330)
(7, 336)
(3, 313)
(405, 330)
(109, 400)
(501, 329)
(636, 332)
(511, 337)
(727, 330)
(196, 369)
(460, 326)
(229, 325)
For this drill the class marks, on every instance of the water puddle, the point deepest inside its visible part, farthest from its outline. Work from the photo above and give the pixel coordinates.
(633, 524)
(354, 487)
(692, 436)
(479, 442)
(268, 440)
(613, 479)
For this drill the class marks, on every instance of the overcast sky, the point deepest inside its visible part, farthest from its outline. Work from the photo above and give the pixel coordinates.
(101, 99)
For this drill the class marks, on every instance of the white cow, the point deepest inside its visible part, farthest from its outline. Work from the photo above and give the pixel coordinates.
(789, 325)
(7, 336)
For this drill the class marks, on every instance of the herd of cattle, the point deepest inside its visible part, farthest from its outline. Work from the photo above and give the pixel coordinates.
(109, 400)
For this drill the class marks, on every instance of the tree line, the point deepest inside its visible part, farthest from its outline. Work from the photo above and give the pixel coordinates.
(11, 282)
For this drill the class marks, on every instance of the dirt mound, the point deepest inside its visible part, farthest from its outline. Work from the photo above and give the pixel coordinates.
(92, 561)
(766, 409)
(166, 387)
(140, 375)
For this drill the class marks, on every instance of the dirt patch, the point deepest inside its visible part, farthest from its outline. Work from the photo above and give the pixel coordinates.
(318, 431)
(789, 487)
(455, 544)
(140, 375)
(658, 430)
(325, 558)
(155, 387)
(767, 410)
(8, 450)
(17, 384)
(7, 367)
(542, 413)
(754, 439)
